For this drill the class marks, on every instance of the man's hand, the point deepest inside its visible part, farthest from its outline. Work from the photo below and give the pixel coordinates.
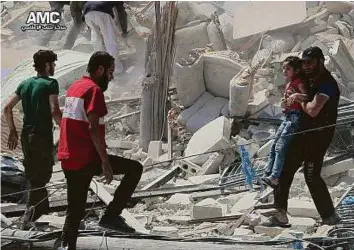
(13, 140)
(107, 172)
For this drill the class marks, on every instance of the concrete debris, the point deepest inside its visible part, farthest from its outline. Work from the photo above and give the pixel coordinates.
(343, 30)
(302, 208)
(240, 232)
(165, 231)
(306, 225)
(178, 201)
(155, 149)
(343, 59)
(246, 202)
(208, 208)
(338, 167)
(269, 231)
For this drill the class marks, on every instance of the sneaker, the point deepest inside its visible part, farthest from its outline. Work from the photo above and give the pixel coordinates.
(334, 219)
(116, 223)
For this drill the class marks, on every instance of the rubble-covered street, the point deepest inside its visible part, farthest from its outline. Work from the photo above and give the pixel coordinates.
(225, 90)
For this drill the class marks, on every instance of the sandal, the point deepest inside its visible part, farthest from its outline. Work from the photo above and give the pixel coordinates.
(273, 221)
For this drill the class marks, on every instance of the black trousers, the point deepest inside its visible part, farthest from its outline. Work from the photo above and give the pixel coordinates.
(38, 163)
(310, 149)
(78, 183)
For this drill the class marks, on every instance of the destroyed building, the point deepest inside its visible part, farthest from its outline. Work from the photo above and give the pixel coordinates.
(225, 90)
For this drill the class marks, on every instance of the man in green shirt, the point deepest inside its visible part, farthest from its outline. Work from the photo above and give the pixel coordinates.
(39, 96)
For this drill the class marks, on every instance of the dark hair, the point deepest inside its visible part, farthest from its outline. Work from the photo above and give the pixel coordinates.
(99, 58)
(296, 63)
(41, 57)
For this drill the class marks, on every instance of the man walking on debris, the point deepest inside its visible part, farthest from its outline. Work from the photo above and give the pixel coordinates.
(82, 150)
(320, 115)
(104, 31)
(39, 96)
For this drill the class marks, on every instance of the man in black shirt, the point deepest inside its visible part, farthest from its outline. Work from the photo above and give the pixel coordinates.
(99, 17)
(319, 116)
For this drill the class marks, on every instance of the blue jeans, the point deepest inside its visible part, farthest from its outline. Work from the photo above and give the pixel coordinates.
(282, 138)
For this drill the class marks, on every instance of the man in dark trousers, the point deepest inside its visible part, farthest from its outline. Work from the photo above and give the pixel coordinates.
(320, 115)
(39, 96)
(82, 151)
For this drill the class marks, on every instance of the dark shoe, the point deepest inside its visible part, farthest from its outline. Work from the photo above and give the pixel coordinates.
(334, 219)
(273, 221)
(116, 223)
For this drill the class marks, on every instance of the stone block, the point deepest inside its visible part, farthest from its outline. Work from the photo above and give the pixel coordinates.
(203, 178)
(269, 231)
(178, 201)
(306, 225)
(343, 59)
(301, 208)
(260, 101)
(239, 92)
(189, 167)
(213, 136)
(208, 208)
(247, 201)
(165, 231)
(211, 166)
(155, 149)
(240, 232)
(230, 200)
(338, 167)
(148, 162)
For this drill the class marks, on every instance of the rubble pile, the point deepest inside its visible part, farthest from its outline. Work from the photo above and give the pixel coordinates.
(215, 91)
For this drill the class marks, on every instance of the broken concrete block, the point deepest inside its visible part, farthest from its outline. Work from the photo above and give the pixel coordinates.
(178, 201)
(179, 219)
(339, 190)
(323, 230)
(203, 178)
(308, 42)
(239, 94)
(253, 219)
(213, 136)
(52, 220)
(189, 167)
(343, 30)
(260, 101)
(269, 231)
(208, 208)
(256, 237)
(321, 26)
(240, 232)
(245, 202)
(144, 219)
(338, 167)
(165, 231)
(211, 166)
(343, 59)
(301, 208)
(230, 200)
(148, 162)
(351, 173)
(278, 43)
(306, 225)
(155, 149)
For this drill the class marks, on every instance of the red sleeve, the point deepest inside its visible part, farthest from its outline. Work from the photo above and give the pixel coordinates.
(94, 102)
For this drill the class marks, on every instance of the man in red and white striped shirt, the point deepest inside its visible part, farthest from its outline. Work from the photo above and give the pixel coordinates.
(82, 150)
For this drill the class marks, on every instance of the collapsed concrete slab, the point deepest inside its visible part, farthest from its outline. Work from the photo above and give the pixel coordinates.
(213, 136)
(260, 101)
(211, 166)
(343, 60)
